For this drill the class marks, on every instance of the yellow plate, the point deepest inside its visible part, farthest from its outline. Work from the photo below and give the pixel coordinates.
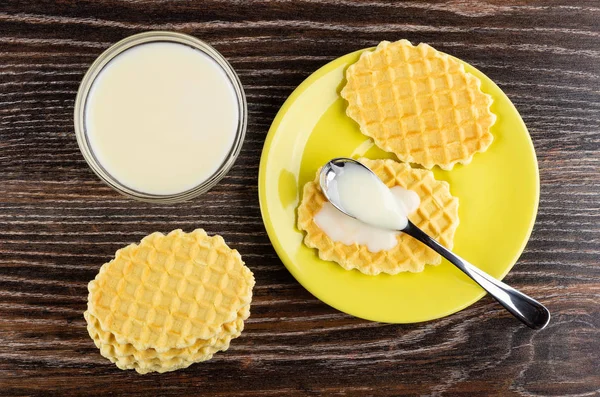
(498, 193)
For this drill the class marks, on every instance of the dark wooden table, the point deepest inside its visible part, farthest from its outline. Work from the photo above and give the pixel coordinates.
(59, 223)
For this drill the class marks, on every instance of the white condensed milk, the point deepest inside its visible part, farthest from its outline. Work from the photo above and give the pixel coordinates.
(379, 211)
(162, 117)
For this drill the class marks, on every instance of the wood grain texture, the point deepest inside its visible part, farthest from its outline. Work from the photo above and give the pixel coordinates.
(59, 223)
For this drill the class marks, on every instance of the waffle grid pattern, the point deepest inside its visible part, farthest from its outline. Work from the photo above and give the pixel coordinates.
(169, 301)
(170, 290)
(419, 104)
(437, 215)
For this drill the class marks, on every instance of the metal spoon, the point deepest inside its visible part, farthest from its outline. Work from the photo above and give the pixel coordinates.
(526, 309)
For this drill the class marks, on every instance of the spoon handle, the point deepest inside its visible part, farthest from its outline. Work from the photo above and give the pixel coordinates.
(527, 310)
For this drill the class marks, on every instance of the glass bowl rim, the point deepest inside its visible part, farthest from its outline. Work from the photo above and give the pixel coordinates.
(97, 67)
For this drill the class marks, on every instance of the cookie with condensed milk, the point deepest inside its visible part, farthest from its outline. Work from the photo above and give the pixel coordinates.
(437, 215)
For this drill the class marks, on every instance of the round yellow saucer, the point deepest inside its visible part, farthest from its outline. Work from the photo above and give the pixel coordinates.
(498, 199)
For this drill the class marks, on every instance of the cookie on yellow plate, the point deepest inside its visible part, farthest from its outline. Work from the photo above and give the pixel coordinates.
(437, 215)
(419, 104)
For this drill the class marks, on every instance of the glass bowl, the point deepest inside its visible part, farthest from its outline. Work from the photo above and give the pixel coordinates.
(110, 54)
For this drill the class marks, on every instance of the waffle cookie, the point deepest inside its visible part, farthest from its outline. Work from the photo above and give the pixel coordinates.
(169, 302)
(437, 216)
(419, 104)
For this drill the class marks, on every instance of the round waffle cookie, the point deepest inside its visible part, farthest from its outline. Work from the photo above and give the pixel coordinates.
(437, 216)
(419, 104)
(169, 301)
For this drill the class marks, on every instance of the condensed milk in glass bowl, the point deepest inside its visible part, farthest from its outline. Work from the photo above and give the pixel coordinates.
(160, 117)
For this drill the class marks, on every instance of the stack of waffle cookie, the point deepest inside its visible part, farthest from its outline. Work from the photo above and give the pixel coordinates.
(168, 302)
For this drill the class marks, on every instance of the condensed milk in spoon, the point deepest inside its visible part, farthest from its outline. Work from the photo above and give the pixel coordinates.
(160, 116)
(379, 212)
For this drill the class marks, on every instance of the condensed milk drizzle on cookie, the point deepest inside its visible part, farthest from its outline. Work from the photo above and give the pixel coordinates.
(379, 210)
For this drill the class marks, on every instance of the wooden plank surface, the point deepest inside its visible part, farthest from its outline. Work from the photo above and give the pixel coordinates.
(59, 223)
